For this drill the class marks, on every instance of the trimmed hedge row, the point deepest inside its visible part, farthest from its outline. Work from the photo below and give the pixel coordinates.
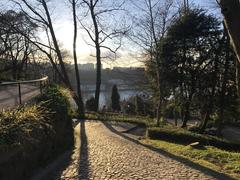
(33, 135)
(108, 116)
(181, 136)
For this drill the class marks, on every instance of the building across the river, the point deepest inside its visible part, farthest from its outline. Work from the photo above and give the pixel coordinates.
(86, 67)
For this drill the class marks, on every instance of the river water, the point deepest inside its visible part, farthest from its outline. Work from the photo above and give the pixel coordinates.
(105, 95)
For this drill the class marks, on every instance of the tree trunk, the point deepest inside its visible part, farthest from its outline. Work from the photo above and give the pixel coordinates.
(79, 94)
(175, 117)
(159, 114)
(231, 12)
(208, 111)
(64, 75)
(98, 78)
(14, 70)
(186, 114)
(155, 56)
(224, 86)
(205, 121)
(175, 109)
(56, 46)
(98, 56)
(209, 107)
(159, 105)
(238, 78)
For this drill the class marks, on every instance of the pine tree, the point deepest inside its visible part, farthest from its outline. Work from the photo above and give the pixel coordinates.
(115, 99)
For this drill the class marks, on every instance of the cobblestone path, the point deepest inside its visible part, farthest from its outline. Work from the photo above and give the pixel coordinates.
(102, 154)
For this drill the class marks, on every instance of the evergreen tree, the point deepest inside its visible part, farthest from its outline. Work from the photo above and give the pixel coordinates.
(90, 104)
(139, 105)
(115, 99)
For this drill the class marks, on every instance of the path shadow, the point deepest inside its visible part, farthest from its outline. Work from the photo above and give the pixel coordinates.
(54, 170)
(64, 161)
(184, 161)
(83, 170)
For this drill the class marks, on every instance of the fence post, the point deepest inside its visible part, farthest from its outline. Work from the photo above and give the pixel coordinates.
(19, 93)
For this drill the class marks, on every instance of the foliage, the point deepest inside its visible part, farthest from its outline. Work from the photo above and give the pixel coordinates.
(17, 123)
(172, 110)
(210, 157)
(56, 98)
(115, 99)
(129, 107)
(196, 65)
(190, 54)
(139, 105)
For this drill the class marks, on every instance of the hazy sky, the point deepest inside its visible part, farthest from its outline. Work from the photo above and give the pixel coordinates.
(63, 25)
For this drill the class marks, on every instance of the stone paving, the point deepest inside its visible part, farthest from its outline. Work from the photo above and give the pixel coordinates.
(102, 154)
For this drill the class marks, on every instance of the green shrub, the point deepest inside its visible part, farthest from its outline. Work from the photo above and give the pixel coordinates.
(16, 124)
(32, 135)
(56, 98)
(181, 136)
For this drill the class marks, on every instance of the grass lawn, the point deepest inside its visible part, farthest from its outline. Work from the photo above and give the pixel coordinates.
(210, 157)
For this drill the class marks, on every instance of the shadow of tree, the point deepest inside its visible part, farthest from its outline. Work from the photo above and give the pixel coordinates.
(83, 170)
(66, 161)
(186, 162)
(54, 170)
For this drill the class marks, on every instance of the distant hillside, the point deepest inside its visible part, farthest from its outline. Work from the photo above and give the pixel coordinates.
(128, 75)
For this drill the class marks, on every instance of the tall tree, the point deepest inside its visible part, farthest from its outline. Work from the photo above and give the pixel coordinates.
(38, 11)
(81, 106)
(188, 53)
(101, 31)
(14, 46)
(148, 31)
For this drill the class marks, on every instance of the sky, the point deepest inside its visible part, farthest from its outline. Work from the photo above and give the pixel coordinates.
(62, 18)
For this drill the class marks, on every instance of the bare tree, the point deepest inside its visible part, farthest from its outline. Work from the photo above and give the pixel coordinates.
(73, 3)
(14, 46)
(101, 31)
(149, 30)
(38, 12)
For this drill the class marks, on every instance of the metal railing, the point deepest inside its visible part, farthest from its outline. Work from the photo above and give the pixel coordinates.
(41, 82)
